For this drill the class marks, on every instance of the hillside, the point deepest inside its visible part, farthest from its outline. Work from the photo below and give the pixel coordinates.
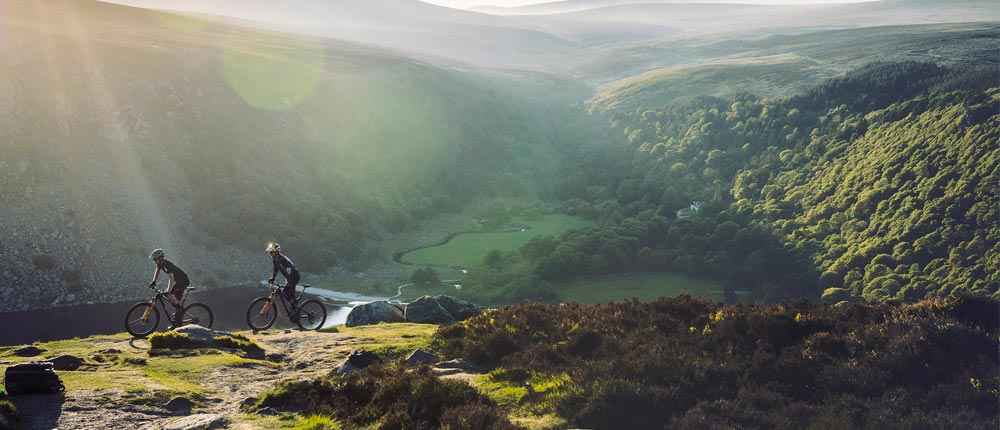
(671, 363)
(783, 65)
(878, 184)
(127, 130)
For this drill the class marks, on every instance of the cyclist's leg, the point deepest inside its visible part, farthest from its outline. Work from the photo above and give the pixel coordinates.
(291, 282)
(178, 292)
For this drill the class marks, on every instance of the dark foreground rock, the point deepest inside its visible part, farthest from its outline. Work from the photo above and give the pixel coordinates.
(358, 360)
(421, 356)
(179, 406)
(66, 362)
(374, 313)
(439, 310)
(28, 351)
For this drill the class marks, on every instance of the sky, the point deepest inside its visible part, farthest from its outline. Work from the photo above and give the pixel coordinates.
(463, 4)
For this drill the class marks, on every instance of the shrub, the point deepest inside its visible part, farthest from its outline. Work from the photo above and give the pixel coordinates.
(390, 397)
(690, 363)
(8, 409)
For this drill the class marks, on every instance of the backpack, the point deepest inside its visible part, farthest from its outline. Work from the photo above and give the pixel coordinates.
(28, 378)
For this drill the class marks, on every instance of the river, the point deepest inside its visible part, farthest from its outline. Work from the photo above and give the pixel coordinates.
(229, 307)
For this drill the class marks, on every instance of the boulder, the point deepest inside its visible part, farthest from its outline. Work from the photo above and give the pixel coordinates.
(461, 364)
(421, 356)
(200, 334)
(66, 362)
(358, 360)
(197, 422)
(28, 351)
(459, 309)
(179, 406)
(374, 313)
(427, 310)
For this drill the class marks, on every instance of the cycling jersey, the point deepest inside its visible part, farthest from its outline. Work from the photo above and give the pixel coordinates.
(179, 276)
(284, 265)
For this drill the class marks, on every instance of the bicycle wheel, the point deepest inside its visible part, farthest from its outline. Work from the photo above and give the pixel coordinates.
(311, 315)
(262, 313)
(198, 313)
(142, 319)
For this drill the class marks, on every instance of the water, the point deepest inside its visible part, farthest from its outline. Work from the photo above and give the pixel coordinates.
(229, 307)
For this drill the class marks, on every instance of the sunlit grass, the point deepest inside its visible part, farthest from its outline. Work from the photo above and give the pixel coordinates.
(389, 341)
(468, 249)
(644, 286)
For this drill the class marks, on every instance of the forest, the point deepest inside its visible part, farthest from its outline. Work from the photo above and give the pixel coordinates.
(880, 185)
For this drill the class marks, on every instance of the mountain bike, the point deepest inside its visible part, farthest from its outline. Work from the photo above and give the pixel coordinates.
(263, 311)
(143, 318)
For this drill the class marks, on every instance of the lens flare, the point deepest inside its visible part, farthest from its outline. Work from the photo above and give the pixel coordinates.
(269, 74)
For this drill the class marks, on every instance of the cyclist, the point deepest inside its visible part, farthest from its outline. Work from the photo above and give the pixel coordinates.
(284, 265)
(177, 281)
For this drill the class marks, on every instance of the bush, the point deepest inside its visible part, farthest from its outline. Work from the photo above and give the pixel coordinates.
(835, 295)
(390, 397)
(8, 409)
(425, 276)
(690, 363)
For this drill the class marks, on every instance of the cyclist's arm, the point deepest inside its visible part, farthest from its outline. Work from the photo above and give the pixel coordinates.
(156, 275)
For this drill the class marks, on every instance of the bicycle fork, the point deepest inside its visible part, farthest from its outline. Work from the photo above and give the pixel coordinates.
(267, 306)
(145, 315)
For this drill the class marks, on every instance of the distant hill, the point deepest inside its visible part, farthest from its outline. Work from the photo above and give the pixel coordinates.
(125, 130)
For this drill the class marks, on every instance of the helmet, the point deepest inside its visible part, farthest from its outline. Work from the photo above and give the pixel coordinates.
(157, 253)
(273, 247)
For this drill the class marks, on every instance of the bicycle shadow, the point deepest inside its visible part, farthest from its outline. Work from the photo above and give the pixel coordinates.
(38, 411)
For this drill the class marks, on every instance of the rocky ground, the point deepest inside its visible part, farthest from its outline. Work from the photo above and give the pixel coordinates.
(132, 390)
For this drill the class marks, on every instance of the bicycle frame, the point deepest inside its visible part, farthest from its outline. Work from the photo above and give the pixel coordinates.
(276, 290)
(159, 297)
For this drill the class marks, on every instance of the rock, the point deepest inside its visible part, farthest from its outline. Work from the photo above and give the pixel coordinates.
(179, 406)
(110, 351)
(461, 364)
(248, 403)
(421, 356)
(66, 362)
(28, 351)
(197, 422)
(427, 310)
(374, 313)
(358, 360)
(201, 334)
(459, 309)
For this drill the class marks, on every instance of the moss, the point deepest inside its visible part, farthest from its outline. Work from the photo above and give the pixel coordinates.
(8, 409)
(317, 422)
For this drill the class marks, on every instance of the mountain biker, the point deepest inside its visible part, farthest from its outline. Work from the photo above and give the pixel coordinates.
(284, 265)
(177, 281)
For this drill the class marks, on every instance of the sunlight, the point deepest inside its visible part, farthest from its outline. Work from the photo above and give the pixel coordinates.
(106, 116)
(272, 76)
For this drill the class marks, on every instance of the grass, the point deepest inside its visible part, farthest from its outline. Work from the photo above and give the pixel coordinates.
(537, 411)
(468, 249)
(389, 341)
(644, 286)
(187, 372)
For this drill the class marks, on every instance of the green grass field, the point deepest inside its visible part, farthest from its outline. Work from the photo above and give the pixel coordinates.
(468, 249)
(644, 286)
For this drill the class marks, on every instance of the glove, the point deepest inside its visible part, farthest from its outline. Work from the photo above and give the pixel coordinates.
(152, 284)
(270, 281)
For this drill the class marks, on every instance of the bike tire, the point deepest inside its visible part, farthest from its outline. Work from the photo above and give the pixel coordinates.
(198, 313)
(311, 315)
(258, 318)
(133, 320)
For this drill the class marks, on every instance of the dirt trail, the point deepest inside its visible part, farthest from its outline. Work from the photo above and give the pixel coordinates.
(303, 355)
